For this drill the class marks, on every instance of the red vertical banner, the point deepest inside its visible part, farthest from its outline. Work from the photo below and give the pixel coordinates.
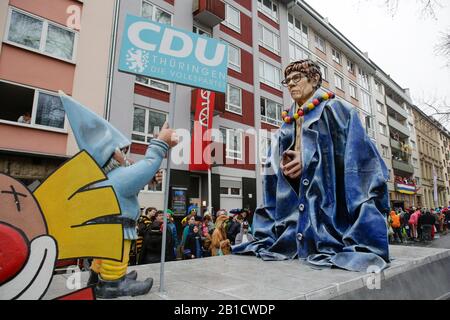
(201, 137)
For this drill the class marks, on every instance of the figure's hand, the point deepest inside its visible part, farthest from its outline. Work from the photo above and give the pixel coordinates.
(291, 164)
(168, 135)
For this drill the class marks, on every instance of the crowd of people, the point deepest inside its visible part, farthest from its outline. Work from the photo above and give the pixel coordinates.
(202, 235)
(417, 224)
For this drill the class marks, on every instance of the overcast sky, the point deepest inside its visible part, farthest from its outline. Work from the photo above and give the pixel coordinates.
(402, 45)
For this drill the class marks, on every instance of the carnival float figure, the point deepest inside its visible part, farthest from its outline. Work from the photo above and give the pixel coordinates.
(325, 184)
(108, 147)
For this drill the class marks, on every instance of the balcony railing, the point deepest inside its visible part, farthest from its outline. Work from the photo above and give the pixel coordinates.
(403, 166)
(402, 129)
(396, 144)
(397, 108)
(209, 12)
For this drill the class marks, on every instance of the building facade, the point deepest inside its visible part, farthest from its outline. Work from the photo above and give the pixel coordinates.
(44, 49)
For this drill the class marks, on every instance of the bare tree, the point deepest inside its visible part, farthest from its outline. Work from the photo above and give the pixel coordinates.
(438, 109)
(427, 7)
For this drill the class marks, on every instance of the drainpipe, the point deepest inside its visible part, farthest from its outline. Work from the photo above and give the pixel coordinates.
(112, 60)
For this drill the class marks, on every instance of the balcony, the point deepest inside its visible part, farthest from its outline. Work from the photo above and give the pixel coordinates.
(402, 166)
(396, 145)
(209, 12)
(400, 128)
(397, 108)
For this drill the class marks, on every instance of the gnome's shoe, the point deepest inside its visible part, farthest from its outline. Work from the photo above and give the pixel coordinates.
(122, 287)
(93, 277)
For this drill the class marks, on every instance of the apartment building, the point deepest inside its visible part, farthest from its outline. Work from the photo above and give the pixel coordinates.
(445, 158)
(397, 141)
(434, 182)
(46, 46)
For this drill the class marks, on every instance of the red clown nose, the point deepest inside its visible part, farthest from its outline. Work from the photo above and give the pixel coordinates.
(13, 252)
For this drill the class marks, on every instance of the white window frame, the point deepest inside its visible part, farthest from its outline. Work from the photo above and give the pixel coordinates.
(268, 120)
(273, 14)
(380, 126)
(146, 135)
(296, 34)
(382, 107)
(34, 110)
(262, 77)
(351, 66)
(385, 152)
(275, 38)
(150, 85)
(229, 195)
(227, 23)
(367, 108)
(196, 28)
(146, 190)
(265, 140)
(336, 56)
(154, 11)
(232, 65)
(364, 79)
(227, 99)
(317, 41)
(324, 71)
(229, 153)
(297, 48)
(353, 90)
(336, 82)
(44, 33)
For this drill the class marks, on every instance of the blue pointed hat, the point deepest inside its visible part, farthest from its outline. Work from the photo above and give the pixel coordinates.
(92, 133)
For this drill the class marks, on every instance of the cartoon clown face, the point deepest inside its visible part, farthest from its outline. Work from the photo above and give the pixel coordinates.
(27, 253)
(56, 222)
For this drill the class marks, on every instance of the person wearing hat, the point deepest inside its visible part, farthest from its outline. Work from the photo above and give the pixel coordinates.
(173, 229)
(108, 147)
(324, 183)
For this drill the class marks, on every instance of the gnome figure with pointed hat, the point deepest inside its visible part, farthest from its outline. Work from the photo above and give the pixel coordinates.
(109, 147)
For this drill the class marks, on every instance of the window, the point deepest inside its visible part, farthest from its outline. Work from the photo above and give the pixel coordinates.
(230, 191)
(202, 32)
(380, 107)
(339, 82)
(268, 39)
(383, 129)
(366, 102)
(234, 58)
(155, 13)
(350, 66)
(410, 127)
(415, 162)
(153, 83)
(233, 143)
(369, 127)
(32, 107)
(146, 123)
(379, 87)
(336, 56)
(269, 8)
(232, 18)
(353, 89)
(271, 112)
(363, 80)
(234, 99)
(320, 43)
(384, 151)
(298, 31)
(41, 35)
(265, 144)
(297, 53)
(324, 71)
(269, 74)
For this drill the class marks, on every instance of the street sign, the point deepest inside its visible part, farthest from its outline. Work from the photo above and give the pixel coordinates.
(162, 52)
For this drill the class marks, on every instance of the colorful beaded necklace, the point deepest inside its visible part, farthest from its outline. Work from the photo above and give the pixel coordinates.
(306, 109)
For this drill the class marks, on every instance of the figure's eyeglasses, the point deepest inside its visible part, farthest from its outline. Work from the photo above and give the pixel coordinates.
(296, 78)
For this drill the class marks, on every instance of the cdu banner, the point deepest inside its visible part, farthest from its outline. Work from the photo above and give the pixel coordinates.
(162, 52)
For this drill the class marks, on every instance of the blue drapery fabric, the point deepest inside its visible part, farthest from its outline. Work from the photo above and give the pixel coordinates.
(337, 218)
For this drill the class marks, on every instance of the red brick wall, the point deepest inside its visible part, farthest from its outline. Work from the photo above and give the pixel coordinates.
(262, 16)
(246, 74)
(245, 35)
(151, 93)
(271, 90)
(248, 110)
(270, 54)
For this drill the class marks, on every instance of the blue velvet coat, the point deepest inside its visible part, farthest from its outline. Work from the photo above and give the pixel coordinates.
(337, 217)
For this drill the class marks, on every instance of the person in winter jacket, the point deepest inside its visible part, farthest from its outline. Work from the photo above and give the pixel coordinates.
(193, 247)
(244, 236)
(220, 245)
(396, 225)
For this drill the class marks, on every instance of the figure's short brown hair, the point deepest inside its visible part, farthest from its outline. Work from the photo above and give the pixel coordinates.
(307, 67)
